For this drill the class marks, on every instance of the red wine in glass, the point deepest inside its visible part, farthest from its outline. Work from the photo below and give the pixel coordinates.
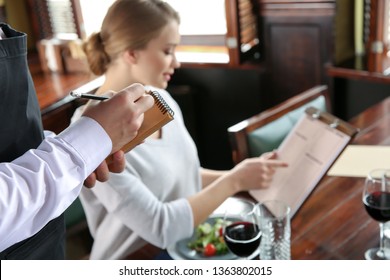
(242, 238)
(377, 205)
(376, 200)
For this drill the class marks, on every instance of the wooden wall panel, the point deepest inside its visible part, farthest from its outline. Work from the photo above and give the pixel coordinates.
(297, 44)
(295, 59)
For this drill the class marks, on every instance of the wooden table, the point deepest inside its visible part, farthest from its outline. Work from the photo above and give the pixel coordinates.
(52, 88)
(332, 223)
(57, 106)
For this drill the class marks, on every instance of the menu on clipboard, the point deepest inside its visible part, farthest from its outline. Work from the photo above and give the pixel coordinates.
(310, 149)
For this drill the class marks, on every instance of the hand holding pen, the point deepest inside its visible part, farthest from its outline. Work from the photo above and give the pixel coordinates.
(121, 116)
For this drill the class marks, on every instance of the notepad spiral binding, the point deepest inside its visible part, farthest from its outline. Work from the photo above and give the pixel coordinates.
(161, 103)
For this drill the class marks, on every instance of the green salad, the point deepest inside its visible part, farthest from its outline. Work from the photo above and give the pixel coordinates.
(209, 239)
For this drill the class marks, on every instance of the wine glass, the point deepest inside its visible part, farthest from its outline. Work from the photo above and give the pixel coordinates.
(376, 199)
(241, 230)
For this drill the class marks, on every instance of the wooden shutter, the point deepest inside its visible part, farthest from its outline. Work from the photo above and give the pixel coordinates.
(242, 30)
(55, 18)
(377, 35)
(61, 15)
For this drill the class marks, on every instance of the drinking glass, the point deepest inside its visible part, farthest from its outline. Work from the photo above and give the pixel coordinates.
(241, 231)
(376, 200)
(274, 221)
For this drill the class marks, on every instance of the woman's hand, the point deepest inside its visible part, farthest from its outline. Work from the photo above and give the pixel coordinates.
(255, 173)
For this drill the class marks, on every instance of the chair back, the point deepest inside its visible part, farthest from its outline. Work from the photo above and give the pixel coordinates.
(265, 131)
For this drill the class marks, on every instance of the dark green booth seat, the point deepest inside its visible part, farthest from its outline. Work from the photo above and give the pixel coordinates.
(270, 136)
(74, 215)
(78, 238)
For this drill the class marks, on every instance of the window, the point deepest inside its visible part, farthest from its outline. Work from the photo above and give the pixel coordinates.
(211, 13)
(92, 18)
(227, 32)
(202, 40)
(213, 31)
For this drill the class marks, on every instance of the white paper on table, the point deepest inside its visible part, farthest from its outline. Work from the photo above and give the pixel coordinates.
(358, 160)
(309, 149)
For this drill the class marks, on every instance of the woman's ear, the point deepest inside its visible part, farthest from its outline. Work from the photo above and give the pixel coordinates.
(130, 56)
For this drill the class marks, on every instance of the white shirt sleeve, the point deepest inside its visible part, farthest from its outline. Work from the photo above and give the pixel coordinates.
(39, 185)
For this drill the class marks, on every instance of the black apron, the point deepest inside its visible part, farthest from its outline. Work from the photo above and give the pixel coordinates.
(21, 130)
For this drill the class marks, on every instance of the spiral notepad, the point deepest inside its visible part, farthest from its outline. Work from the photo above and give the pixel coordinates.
(155, 118)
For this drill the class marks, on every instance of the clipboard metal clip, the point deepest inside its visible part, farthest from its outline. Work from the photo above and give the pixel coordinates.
(316, 114)
(335, 123)
(332, 121)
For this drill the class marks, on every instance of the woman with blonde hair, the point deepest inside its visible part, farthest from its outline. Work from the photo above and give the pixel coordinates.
(164, 193)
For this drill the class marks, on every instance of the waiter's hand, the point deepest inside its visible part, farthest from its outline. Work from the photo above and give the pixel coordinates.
(122, 115)
(102, 173)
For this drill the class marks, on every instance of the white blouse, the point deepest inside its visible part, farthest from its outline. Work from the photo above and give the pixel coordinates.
(147, 201)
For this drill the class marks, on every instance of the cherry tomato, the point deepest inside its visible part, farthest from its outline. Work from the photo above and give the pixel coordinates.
(220, 232)
(209, 250)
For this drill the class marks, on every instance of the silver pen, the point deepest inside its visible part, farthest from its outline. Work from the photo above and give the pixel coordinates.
(88, 96)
